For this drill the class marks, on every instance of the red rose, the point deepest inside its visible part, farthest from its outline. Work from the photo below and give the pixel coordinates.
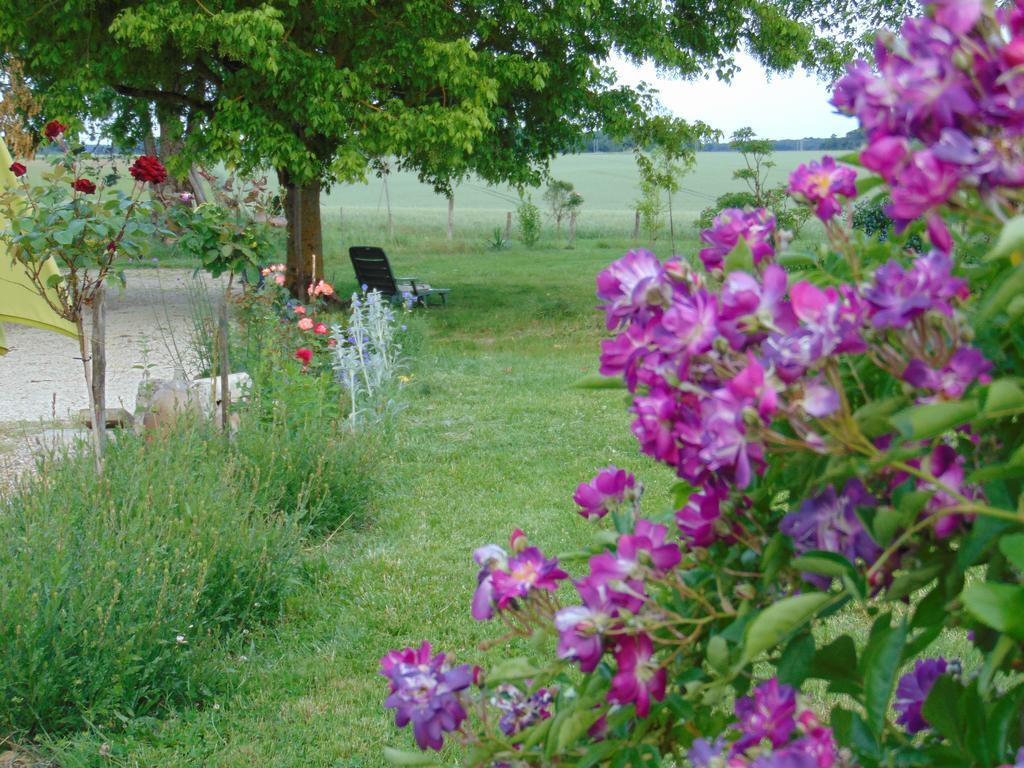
(18, 169)
(54, 128)
(321, 329)
(303, 354)
(84, 186)
(148, 168)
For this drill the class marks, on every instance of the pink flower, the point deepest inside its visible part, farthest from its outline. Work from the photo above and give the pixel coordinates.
(819, 183)
(299, 309)
(320, 329)
(639, 678)
(306, 324)
(279, 279)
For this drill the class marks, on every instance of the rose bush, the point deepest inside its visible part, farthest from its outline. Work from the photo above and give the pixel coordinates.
(848, 442)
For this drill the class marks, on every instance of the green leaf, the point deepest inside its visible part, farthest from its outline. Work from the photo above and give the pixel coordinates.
(1003, 396)
(1010, 241)
(984, 531)
(836, 663)
(824, 563)
(795, 665)
(926, 421)
(1012, 548)
(774, 623)
(518, 668)
(941, 710)
(599, 382)
(718, 654)
(1008, 287)
(403, 757)
(878, 667)
(740, 258)
(1000, 606)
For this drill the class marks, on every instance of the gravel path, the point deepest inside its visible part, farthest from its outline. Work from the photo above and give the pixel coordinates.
(148, 326)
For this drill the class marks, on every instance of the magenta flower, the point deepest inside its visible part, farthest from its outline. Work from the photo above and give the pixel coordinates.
(958, 16)
(819, 183)
(886, 156)
(490, 559)
(729, 227)
(829, 522)
(748, 309)
(752, 389)
(647, 547)
(657, 417)
(725, 446)
(688, 326)
(912, 690)
(629, 353)
(527, 571)
(633, 285)
(924, 183)
(424, 691)
(639, 678)
(947, 467)
(698, 520)
(608, 489)
(768, 714)
(581, 628)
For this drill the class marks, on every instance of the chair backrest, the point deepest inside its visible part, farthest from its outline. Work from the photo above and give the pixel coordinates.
(372, 269)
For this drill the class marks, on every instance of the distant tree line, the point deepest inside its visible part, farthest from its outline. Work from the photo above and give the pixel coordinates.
(597, 141)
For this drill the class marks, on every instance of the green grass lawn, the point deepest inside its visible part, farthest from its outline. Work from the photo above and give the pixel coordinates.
(493, 436)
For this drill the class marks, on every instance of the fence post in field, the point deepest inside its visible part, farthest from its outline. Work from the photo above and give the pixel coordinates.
(451, 217)
(387, 201)
(225, 370)
(341, 218)
(572, 229)
(99, 368)
(636, 226)
(508, 225)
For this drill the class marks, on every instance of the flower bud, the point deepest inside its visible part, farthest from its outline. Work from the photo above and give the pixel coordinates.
(745, 591)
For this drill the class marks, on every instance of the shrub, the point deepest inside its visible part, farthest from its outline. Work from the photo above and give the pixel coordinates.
(118, 591)
(869, 217)
(528, 218)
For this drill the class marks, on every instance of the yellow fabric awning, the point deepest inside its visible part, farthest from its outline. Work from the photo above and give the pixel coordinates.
(19, 301)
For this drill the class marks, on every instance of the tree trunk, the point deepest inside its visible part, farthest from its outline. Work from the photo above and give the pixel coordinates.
(451, 217)
(305, 236)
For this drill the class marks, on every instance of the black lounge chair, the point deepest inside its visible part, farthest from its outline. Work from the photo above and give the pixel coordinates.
(374, 272)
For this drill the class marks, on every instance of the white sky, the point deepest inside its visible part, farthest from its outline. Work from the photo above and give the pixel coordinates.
(784, 107)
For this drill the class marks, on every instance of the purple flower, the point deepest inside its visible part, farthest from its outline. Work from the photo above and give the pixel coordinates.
(628, 353)
(829, 522)
(789, 757)
(729, 227)
(647, 547)
(424, 691)
(527, 571)
(768, 714)
(633, 285)
(897, 295)
(489, 558)
(751, 388)
(819, 183)
(581, 628)
(951, 382)
(725, 445)
(639, 677)
(703, 752)
(606, 491)
(958, 16)
(688, 325)
(519, 711)
(819, 400)
(1018, 761)
(886, 156)
(912, 690)
(657, 417)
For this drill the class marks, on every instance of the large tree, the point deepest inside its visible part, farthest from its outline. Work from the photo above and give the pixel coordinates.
(319, 89)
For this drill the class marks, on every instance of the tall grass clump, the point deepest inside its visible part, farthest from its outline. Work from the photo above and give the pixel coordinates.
(119, 592)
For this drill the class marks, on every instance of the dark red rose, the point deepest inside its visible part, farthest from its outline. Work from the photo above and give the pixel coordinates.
(18, 169)
(54, 128)
(84, 186)
(148, 168)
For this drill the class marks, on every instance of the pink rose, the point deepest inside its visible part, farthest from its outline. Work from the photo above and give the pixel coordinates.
(305, 324)
(320, 329)
(279, 279)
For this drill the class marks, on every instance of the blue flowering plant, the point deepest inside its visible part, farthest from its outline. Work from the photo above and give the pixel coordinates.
(846, 430)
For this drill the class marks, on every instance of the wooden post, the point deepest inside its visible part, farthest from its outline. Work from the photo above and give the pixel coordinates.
(636, 226)
(225, 369)
(341, 218)
(508, 225)
(572, 229)
(99, 368)
(387, 201)
(451, 217)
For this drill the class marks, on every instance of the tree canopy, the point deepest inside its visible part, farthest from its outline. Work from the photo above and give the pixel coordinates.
(318, 89)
